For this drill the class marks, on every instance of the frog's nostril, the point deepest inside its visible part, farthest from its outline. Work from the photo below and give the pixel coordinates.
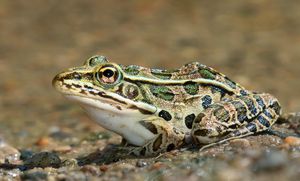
(77, 76)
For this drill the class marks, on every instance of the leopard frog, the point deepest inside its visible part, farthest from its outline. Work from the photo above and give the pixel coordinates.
(160, 110)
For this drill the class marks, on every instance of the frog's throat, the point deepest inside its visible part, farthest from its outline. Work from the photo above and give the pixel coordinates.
(121, 120)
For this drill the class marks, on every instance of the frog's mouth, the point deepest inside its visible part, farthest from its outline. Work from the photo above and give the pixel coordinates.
(104, 100)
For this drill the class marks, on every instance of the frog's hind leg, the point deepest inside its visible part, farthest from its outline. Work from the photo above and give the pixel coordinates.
(167, 137)
(235, 118)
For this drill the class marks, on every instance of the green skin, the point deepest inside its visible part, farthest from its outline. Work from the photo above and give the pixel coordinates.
(161, 110)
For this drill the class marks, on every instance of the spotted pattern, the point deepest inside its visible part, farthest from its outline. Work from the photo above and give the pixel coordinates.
(132, 69)
(215, 89)
(162, 92)
(207, 74)
(251, 127)
(206, 101)
(157, 142)
(241, 111)
(148, 125)
(221, 113)
(262, 120)
(189, 120)
(160, 74)
(230, 83)
(191, 88)
(260, 101)
(165, 115)
(250, 104)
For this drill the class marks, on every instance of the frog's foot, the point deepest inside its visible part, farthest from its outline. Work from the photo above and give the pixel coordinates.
(166, 138)
(236, 118)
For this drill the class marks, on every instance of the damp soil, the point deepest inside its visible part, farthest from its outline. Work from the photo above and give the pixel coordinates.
(45, 137)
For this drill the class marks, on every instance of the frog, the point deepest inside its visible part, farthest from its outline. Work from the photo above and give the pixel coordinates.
(159, 110)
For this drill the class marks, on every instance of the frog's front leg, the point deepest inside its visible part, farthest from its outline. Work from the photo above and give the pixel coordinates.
(167, 137)
(235, 118)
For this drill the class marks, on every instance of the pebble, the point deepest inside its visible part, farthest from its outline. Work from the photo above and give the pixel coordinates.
(43, 159)
(42, 142)
(240, 143)
(90, 169)
(292, 141)
(8, 153)
(103, 168)
(141, 163)
(63, 149)
(34, 176)
(270, 160)
(157, 165)
(25, 154)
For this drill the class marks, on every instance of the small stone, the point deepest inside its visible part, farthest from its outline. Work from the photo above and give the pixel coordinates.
(63, 149)
(42, 142)
(270, 160)
(8, 153)
(90, 169)
(25, 154)
(103, 168)
(157, 165)
(27, 176)
(43, 159)
(292, 141)
(240, 143)
(141, 163)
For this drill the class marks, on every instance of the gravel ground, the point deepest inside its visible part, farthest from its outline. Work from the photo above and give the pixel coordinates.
(44, 137)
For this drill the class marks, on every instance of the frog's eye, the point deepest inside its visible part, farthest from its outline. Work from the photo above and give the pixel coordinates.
(107, 74)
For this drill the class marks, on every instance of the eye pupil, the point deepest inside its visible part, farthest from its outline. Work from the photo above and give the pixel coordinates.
(108, 73)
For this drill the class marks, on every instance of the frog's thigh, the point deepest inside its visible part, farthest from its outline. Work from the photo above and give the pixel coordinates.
(166, 138)
(238, 117)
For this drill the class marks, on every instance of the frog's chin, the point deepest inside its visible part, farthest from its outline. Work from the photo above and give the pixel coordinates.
(117, 118)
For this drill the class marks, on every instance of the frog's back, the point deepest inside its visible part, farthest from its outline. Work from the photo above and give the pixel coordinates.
(193, 72)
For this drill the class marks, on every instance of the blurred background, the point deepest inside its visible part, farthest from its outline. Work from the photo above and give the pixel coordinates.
(255, 43)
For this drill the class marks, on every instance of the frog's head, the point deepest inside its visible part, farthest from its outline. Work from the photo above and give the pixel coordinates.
(100, 87)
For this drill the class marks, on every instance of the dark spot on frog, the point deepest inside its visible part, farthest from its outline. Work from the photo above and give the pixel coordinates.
(199, 118)
(165, 115)
(243, 92)
(162, 92)
(251, 127)
(201, 132)
(189, 120)
(206, 101)
(170, 147)
(149, 126)
(93, 93)
(76, 85)
(215, 89)
(82, 92)
(262, 120)
(69, 86)
(207, 74)
(132, 69)
(276, 107)
(157, 142)
(241, 111)
(88, 87)
(221, 113)
(230, 83)
(191, 87)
